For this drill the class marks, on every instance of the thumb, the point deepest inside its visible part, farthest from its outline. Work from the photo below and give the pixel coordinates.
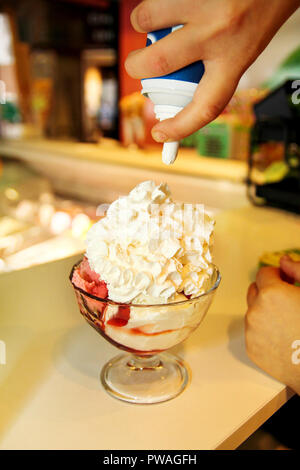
(212, 95)
(290, 268)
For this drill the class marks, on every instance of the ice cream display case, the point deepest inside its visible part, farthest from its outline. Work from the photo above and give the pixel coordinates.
(37, 225)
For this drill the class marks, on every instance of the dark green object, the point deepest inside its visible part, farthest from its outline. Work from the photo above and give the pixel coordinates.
(10, 113)
(190, 141)
(213, 140)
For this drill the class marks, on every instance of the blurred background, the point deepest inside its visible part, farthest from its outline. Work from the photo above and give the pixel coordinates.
(75, 130)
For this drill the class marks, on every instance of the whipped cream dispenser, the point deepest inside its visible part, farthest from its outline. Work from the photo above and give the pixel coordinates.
(172, 92)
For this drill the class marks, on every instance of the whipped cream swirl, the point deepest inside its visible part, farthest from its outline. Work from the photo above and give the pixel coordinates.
(149, 249)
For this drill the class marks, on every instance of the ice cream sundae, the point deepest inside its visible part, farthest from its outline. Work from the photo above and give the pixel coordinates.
(147, 278)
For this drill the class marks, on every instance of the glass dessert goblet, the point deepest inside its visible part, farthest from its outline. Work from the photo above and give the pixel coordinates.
(145, 373)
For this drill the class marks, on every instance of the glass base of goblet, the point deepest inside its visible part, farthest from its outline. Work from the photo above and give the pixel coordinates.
(145, 379)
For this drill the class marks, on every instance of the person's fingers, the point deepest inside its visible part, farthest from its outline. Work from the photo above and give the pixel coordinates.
(151, 15)
(290, 268)
(252, 294)
(267, 276)
(212, 95)
(159, 58)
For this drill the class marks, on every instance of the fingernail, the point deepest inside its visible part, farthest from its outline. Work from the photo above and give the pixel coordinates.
(159, 136)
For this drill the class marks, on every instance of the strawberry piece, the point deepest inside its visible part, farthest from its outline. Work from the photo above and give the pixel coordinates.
(89, 281)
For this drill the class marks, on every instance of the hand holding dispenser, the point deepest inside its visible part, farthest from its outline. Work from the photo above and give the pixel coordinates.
(172, 92)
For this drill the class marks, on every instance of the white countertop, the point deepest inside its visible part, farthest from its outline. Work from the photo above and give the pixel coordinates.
(50, 393)
(101, 172)
(112, 152)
